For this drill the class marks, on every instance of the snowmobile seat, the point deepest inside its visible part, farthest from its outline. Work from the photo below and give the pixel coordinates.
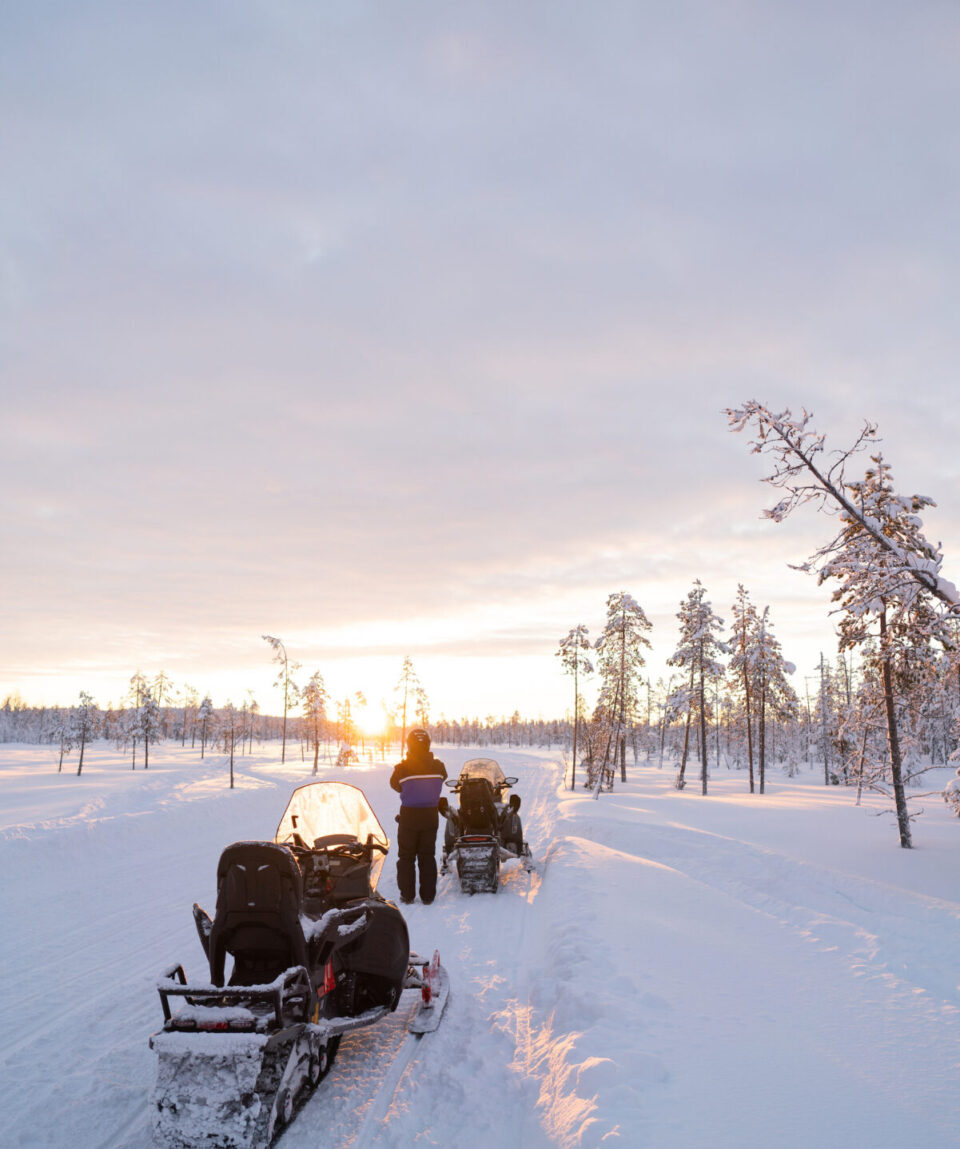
(478, 811)
(259, 891)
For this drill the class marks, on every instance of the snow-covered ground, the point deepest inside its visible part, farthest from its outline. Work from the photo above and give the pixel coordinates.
(684, 972)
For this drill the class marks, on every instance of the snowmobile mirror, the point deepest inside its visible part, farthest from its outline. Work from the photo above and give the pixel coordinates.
(510, 781)
(453, 783)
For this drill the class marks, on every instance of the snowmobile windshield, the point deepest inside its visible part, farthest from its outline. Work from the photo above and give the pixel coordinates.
(321, 809)
(483, 768)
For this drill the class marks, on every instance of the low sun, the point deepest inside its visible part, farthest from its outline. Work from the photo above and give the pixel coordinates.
(369, 720)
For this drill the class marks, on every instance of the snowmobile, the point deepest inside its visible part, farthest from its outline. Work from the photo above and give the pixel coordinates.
(485, 829)
(313, 952)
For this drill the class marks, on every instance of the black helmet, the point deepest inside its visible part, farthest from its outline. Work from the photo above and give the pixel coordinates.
(418, 740)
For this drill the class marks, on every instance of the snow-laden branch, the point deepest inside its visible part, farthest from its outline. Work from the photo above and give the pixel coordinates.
(796, 451)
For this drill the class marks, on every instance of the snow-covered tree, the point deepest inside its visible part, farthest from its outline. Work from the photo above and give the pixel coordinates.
(803, 474)
(696, 654)
(63, 732)
(148, 723)
(742, 662)
(889, 573)
(191, 701)
(204, 720)
(284, 680)
(574, 661)
(136, 693)
(86, 722)
(407, 692)
(314, 701)
(877, 588)
(163, 691)
(773, 693)
(228, 732)
(619, 662)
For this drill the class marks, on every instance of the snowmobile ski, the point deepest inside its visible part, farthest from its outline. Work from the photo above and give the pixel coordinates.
(435, 990)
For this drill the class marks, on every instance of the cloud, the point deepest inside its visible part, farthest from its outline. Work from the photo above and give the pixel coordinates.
(316, 319)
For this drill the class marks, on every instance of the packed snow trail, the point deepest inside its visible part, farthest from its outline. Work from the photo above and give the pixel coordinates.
(734, 971)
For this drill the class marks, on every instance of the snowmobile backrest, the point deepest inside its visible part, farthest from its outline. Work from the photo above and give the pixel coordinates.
(478, 811)
(259, 891)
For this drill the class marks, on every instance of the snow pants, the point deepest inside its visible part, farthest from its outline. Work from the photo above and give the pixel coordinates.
(417, 849)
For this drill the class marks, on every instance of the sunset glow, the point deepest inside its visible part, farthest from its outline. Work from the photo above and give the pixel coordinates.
(438, 384)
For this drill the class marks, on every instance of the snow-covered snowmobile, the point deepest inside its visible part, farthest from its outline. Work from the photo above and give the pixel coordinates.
(484, 829)
(315, 952)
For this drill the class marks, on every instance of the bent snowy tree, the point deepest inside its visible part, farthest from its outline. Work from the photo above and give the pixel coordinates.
(888, 571)
(796, 451)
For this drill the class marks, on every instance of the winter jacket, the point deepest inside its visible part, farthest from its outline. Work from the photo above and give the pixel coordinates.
(418, 781)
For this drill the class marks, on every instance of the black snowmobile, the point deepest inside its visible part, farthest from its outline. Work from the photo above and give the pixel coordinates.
(485, 829)
(315, 952)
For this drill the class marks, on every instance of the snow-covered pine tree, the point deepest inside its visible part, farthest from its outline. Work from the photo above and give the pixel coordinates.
(149, 724)
(131, 719)
(620, 659)
(314, 700)
(86, 722)
(697, 653)
(774, 694)
(574, 661)
(204, 720)
(163, 691)
(191, 701)
(63, 732)
(741, 667)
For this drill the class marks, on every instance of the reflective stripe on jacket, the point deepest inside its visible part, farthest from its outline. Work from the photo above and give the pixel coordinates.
(419, 790)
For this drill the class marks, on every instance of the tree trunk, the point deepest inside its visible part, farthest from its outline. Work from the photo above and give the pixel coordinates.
(576, 717)
(896, 769)
(746, 700)
(703, 733)
(683, 757)
(823, 724)
(863, 751)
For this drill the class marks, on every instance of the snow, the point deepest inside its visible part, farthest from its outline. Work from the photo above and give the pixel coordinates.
(733, 970)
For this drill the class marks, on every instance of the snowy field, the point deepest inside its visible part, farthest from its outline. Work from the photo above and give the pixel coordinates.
(729, 972)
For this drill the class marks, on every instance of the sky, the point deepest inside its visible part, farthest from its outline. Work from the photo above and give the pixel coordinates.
(407, 329)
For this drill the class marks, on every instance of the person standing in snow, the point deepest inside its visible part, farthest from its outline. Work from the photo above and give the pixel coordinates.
(418, 779)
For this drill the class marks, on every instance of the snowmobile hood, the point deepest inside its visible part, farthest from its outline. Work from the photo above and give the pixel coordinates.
(483, 768)
(319, 809)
